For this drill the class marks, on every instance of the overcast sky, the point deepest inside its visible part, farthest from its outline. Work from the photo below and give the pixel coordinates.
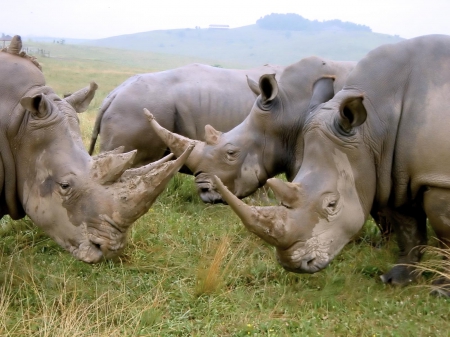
(94, 19)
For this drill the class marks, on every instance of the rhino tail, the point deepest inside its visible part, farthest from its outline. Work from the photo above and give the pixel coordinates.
(98, 121)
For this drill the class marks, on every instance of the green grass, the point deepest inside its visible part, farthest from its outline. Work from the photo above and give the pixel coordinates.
(191, 269)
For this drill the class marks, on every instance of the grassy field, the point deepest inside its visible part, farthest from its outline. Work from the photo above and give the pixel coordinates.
(192, 269)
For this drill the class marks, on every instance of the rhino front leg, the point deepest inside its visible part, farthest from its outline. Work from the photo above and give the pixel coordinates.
(409, 225)
(437, 208)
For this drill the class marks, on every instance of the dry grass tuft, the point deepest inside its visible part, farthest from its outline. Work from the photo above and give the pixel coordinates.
(211, 279)
(438, 265)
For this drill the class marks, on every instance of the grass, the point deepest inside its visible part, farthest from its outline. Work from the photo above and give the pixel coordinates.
(191, 269)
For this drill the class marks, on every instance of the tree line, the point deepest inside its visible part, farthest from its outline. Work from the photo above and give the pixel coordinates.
(296, 22)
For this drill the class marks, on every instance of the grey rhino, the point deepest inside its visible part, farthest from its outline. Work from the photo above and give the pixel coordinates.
(86, 204)
(269, 140)
(381, 142)
(183, 100)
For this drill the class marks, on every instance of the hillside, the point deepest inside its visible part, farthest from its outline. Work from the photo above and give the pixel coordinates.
(251, 45)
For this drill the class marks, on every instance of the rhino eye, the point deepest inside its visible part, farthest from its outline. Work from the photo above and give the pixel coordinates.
(64, 185)
(232, 154)
(332, 204)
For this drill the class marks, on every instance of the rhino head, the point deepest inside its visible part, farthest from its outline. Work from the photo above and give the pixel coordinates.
(330, 197)
(262, 146)
(86, 204)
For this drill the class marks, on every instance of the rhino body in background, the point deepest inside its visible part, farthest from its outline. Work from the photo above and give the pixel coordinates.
(269, 140)
(183, 100)
(382, 141)
(86, 204)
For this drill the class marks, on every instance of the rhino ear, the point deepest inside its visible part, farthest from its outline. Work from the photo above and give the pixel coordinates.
(323, 91)
(81, 99)
(253, 86)
(268, 86)
(212, 136)
(37, 105)
(352, 113)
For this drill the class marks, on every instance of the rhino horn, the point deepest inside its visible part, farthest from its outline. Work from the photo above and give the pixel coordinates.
(176, 143)
(138, 189)
(145, 169)
(15, 46)
(212, 136)
(266, 222)
(109, 166)
(290, 194)
(80, 99)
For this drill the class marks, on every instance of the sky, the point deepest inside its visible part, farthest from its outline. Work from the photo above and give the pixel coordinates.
(94, 19)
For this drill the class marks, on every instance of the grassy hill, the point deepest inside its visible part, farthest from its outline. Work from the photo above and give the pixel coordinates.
(251, 45)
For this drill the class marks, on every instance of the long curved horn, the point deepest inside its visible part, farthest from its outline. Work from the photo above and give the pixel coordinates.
(266, 222)
(107, 167)
(145, 169)
(176, 143)
(136, 193)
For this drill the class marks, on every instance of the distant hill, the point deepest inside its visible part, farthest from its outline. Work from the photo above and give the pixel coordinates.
(253, 45)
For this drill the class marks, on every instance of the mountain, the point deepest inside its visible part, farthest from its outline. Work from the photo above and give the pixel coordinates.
(253, 45)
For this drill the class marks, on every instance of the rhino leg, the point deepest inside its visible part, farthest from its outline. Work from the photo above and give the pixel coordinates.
(409, 224)
(383, 224)
(437, 207)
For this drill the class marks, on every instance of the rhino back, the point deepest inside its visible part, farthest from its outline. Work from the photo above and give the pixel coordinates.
(183, 100)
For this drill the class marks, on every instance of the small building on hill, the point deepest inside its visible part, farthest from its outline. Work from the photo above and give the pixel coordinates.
(219, 26)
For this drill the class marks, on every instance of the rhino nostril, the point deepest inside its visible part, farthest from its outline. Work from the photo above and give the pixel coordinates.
(204, 189)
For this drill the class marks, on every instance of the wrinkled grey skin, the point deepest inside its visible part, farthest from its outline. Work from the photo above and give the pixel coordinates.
(269, 141)
(183, 100)
(86, 204)
(382, 142)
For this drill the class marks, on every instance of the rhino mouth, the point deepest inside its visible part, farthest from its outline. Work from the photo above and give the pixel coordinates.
(301, 260)
(88, 252)
(207, 190)
(103, 239)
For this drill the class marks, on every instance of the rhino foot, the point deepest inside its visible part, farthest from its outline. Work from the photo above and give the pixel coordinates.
(400, 275)
(441, 287)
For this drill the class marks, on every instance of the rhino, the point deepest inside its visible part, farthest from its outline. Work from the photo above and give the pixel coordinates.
(183, 100)
(269, 141)
(381, 142)
(86, 204)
